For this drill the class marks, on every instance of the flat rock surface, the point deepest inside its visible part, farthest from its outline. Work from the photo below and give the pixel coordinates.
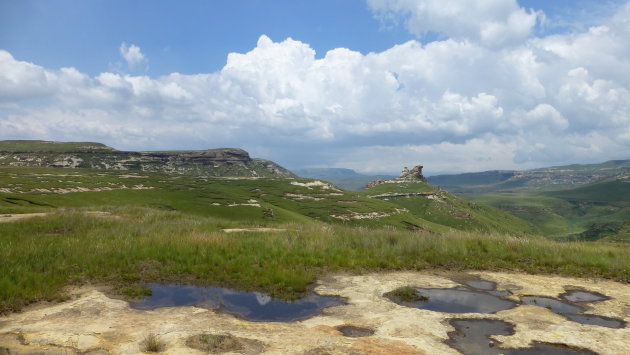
(92, 323)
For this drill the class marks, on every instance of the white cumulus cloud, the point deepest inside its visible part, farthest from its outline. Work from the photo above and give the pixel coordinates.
(132, 55)
(491, 22)
(452, 104)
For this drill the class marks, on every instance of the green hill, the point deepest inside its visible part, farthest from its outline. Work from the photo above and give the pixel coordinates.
(259, 201)
(438, 206)
(600, 210)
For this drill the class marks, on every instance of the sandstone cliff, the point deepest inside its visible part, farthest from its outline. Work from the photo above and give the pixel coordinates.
(211, 162)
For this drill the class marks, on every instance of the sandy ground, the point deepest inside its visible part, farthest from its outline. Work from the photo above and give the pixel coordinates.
(261, 229)
(17, 217)
(92, 323)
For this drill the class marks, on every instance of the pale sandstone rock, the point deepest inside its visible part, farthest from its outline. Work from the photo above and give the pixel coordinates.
(96, 323)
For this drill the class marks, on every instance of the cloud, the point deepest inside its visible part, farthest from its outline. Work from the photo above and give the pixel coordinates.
(451, 104)
(132, 55)
(493, 23)
(20, 80)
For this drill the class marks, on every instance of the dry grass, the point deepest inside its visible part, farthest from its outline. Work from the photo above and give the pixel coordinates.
(152, 344)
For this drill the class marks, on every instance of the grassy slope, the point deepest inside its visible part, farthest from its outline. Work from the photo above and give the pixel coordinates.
(139, 245)
(194, 195)
(452, 211)
(174, 233)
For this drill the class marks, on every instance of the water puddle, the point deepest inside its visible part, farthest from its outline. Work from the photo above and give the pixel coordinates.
(482, 285)
(592, 319)
(574, 312)
(487, 286)
(472, 337)
(251, 306)
(456, 300)
(477, 283)
(552, 304)
(583, 296)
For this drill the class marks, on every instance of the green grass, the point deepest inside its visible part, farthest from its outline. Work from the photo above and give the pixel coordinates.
(44, 254)
(35, 189)
(136, 292)
(48, 146)
(405, 295)
(173, 233)
(582, 212)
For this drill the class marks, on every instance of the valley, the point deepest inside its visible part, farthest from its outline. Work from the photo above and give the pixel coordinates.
(574, 202)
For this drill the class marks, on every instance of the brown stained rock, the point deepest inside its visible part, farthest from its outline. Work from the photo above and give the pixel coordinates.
(385, 347)
(353, 331)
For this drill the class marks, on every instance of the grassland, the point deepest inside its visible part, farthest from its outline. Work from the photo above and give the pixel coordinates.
(134, 245)
(129, 228)
(599, 210)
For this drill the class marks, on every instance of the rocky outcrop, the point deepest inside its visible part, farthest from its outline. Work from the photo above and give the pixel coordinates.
(211, 162)
(413, 174)
(407, 175)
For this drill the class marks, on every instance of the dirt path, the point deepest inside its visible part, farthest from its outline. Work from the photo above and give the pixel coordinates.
(95, 324)
(234, 230)
(16, 217)
(4, 218)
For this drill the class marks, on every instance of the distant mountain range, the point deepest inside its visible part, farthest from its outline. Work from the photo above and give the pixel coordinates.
(347, 179)
(552, 178)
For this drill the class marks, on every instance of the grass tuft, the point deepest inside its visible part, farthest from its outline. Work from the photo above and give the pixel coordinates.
(405, 295)
(136, 292)
(152, 344)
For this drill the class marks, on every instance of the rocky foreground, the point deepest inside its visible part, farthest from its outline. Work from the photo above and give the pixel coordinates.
(92, 323)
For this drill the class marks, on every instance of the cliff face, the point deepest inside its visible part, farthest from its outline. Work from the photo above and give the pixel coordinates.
(212, 162)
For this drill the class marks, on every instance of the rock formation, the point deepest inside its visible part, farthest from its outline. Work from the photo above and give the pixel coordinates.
(407, 175)
(413, 174)
(211, 162)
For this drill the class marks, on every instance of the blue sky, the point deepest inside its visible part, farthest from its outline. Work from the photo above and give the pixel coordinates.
(181, 36)
(372, 85)
(195, 36)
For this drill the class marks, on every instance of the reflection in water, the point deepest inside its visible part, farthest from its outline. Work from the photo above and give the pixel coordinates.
(596, 320)
(552, 304)
(453, 300)
(482, 285)
(253, 306)
(583, 296)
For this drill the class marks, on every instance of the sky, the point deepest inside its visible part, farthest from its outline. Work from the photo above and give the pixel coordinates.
(370, 85)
